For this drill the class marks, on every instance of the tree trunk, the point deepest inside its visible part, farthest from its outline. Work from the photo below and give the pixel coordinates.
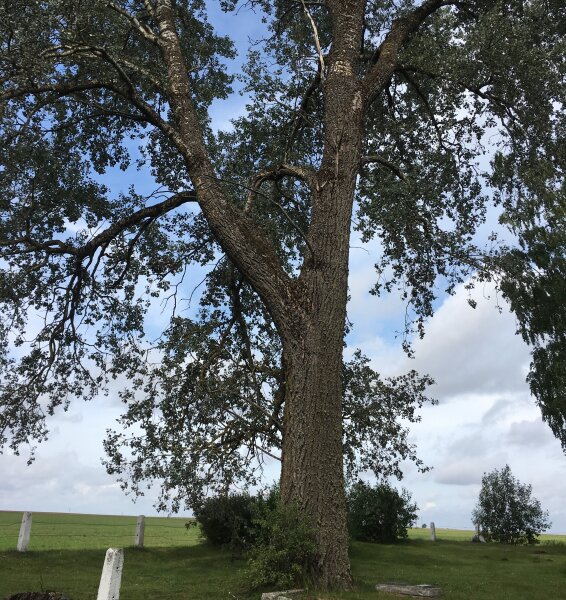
(312, 473)
(312, 463)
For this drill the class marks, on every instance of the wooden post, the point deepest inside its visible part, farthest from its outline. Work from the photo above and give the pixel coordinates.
(140, 530)
(109, 588)
(25, 531)
(432, 532)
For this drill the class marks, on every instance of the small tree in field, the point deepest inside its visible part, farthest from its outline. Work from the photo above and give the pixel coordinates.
(506, 512)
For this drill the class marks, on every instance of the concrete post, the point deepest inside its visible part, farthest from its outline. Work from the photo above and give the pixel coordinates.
(140, 530)
(25, 531)
(109, 588)
(432, 532)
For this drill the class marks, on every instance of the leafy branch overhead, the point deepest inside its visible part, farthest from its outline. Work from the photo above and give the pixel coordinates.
(414, 121)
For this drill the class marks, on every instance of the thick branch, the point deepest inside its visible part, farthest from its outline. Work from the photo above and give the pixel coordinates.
(150, 212)
(139, 27)
(387, 54)
(247, 246)
(102, 239)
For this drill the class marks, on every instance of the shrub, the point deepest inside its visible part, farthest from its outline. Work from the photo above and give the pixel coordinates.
(284, 550)
(506, 512)
(380, 513)
(228, 520)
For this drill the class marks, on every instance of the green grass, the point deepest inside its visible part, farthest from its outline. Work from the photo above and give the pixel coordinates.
(67, 552)
(60, 531)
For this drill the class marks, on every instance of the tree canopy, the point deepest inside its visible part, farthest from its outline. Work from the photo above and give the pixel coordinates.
(405, 121)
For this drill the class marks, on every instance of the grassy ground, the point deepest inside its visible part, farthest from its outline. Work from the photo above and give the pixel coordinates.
(61, 531)
(67, 552)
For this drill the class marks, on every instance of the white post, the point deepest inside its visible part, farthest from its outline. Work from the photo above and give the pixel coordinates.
(25, 531)
(140, 529)
(432, 532)
(109, 588)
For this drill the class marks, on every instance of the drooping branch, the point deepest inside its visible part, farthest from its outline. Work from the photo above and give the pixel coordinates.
(276, 173)
(428, 107)
(478, 90)
(59, 90)
(55, 246)
(301, 112)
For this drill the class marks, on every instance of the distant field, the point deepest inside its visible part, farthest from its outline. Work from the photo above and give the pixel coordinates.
(465, 535)
(67, 552)
(62, 531)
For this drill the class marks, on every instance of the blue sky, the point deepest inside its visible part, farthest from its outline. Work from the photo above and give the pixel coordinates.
(485, 418)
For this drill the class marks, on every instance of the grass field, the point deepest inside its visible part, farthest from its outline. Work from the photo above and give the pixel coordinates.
(67, 552)
(61, 531)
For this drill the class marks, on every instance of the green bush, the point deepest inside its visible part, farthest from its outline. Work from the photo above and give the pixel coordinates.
(380, 513)
(229, 520)
(284, 550)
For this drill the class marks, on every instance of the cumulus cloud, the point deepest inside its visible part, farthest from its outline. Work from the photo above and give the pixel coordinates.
(59, 482)
(486, 417)
(473, 350)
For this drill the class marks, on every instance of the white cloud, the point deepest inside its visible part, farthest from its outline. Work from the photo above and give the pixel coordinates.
(529, 433)
(486, 417)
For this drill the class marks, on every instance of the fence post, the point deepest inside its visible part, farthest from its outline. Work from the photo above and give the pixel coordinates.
(109, 588)
(25, 531)
(140, 529)
(432, 532)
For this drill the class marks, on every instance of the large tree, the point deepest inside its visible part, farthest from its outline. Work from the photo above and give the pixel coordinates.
(420, 116)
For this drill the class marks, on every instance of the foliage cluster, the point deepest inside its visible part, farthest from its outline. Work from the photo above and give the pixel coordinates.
(285, 551)
(506, 512)
(229, 520)
(379, 513)
(277, 538)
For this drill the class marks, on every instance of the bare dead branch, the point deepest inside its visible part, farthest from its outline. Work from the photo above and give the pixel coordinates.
(316, 39)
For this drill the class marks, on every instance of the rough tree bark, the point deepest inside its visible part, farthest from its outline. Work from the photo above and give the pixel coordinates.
(312, 471)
